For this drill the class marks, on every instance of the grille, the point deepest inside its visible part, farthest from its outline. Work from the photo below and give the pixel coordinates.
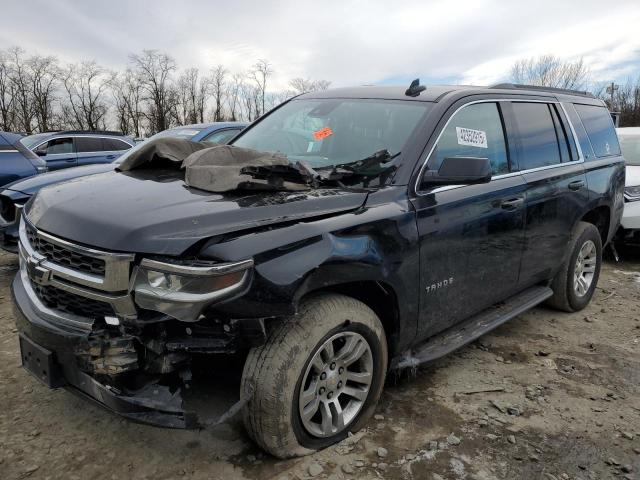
(7, 209)
(63, 256)
(61, 300)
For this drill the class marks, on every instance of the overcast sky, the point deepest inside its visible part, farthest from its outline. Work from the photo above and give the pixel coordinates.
(347, 42)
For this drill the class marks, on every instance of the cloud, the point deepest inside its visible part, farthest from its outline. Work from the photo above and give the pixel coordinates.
(349, 43)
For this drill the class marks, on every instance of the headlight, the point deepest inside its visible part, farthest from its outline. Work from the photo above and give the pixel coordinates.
(182, 291)
(632, 193)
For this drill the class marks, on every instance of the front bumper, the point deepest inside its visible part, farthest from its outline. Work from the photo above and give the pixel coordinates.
(153, 403)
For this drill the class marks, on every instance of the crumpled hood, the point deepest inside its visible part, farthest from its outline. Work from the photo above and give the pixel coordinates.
(151, 211)
(31, 185)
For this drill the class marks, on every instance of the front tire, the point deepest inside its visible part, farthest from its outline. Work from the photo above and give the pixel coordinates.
(318, 377)
(576, 281)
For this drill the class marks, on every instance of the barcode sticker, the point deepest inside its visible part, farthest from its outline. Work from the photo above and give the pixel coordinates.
(471, 138)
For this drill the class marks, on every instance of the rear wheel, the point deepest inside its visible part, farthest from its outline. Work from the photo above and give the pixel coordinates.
(318, 377)
(576, 281)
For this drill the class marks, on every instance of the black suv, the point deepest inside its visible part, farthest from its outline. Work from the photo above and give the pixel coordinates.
(419, 219)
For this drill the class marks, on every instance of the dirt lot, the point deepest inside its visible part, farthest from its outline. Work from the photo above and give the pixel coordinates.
(565, 404)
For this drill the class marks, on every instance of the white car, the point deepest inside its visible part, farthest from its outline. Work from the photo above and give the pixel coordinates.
(630, 144)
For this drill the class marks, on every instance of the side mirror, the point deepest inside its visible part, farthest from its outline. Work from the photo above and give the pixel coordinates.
(41, 152)
(459, 171)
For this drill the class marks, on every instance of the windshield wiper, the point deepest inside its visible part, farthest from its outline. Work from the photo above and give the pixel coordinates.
(365, 166)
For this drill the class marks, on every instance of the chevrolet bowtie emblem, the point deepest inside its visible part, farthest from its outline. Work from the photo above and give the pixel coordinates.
(37, 272)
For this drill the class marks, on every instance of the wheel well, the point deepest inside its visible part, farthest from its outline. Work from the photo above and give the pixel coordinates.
(380, 298)
(600, 217)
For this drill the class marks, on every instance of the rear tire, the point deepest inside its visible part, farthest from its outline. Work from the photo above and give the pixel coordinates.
(575, 283)
(286, 375)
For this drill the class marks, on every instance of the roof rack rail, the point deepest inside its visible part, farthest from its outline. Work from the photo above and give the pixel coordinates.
(518, 86)
(97, 132)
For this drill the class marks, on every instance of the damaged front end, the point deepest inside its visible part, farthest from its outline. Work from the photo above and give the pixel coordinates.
(123, 333)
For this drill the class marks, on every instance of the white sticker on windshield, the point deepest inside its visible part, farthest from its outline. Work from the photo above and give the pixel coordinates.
(471, 138)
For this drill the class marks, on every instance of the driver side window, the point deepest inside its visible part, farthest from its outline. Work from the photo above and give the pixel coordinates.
(475, 131)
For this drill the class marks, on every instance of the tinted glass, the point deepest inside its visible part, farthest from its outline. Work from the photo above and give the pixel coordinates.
(59, 145)
(113, 144)
(537, 135)
(221, 137)
(89, 144)
(597, 122)
(475, 131)
(561, 136)
(630, 148)
(581, 133)
(179, 132)
(332, 131)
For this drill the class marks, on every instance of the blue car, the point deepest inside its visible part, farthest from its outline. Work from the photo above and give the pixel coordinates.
(74, 148)
(14, 195)
(16, 161)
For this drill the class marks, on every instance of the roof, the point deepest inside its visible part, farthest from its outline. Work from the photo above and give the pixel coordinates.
(434, 93)
(213, 124)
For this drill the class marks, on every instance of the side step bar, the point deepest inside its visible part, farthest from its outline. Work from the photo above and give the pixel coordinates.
(459, 335)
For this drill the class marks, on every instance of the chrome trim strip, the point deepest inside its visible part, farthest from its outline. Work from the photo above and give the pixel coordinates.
(497, 177)
(218, 269)
(8, 151)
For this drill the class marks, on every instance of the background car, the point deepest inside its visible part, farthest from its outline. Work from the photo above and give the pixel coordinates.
(630, 144)
(16, 194)
(16, 161)
(73, 148)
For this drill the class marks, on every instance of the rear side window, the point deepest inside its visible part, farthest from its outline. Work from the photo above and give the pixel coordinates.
(538, 138)
(599, 126)
(89, 144)
(113, 144)
(221, 137)
(475, 131)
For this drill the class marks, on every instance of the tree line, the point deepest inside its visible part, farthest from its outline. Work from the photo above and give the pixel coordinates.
(38, 93)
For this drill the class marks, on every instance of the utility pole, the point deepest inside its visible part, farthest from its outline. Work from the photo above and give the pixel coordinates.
(611, 89)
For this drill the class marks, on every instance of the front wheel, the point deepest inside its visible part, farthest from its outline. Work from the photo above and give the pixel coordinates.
(318, 377)
(576, 281)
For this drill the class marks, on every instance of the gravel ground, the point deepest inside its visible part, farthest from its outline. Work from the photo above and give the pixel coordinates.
(549, 395)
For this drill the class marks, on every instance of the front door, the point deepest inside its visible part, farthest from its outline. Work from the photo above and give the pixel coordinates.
(58, 153)
(471, 237)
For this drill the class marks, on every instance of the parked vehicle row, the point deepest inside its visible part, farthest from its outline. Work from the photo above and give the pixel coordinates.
(14, 195)
(369, 229)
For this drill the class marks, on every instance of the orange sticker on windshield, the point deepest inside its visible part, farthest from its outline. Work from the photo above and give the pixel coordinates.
(322, 133)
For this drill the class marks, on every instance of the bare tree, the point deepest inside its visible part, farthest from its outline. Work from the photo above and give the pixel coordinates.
(302, 85)
(218, 75)
(7, 112)
(233, 95)
(22, 94)
(154, 70)
(550, 71)
(127, 93)
(43, 74)
(261, 72)
(86, 87)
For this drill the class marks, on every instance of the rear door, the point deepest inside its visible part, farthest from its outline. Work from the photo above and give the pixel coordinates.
(92, 150)
(470, 236)
(58, 153)
(552, 166)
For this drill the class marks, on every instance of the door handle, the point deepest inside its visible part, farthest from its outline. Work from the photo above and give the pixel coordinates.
(69, 160)
(512, 203)
(577, 185)
(109, 157)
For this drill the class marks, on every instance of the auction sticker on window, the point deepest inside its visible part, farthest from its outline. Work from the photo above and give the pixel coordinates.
(471, 138)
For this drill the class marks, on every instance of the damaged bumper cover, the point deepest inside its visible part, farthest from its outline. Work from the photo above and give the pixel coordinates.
(74, 357)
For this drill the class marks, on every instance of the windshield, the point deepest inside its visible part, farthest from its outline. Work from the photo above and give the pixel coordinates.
(630, 148)
(330, 132)
(33, 140)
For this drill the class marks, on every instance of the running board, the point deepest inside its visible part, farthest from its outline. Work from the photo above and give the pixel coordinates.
(472, 328)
